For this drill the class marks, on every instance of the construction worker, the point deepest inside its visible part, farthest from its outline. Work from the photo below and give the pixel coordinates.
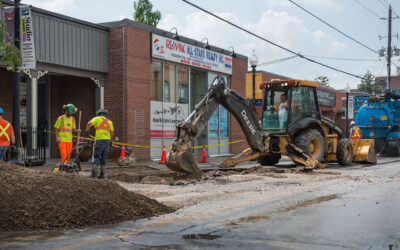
(355, 132)
(104, 135)
(6, 136)
(65, 126)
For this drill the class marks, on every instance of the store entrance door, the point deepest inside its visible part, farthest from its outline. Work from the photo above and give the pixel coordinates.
(44, 114)
(198, 88)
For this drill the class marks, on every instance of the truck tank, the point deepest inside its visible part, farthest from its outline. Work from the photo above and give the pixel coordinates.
(379, 118)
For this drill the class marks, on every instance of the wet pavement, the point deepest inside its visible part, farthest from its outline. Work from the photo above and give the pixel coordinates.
(334, 208)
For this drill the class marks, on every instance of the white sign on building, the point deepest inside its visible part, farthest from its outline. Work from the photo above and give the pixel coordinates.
(179, 52)
(27, 43)
(165, 116)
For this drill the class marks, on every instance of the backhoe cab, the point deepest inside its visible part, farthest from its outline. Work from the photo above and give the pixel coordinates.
(291, 124)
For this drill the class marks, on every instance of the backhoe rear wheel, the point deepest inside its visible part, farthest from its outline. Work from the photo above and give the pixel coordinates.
(344, 152)
(269, 160)
(312, 143)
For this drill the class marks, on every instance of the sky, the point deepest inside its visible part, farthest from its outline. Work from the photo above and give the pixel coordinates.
(279, 21)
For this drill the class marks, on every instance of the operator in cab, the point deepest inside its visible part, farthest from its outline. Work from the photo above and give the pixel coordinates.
(282, 109)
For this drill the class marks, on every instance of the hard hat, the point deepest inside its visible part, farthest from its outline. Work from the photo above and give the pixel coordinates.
(1, 111)
(101, 112)
(352, 123)
(70, 108)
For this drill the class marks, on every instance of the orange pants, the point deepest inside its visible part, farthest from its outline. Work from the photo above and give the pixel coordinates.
(65, 149)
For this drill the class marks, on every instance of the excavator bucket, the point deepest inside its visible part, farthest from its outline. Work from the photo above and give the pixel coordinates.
(364, 150)
(183, 161)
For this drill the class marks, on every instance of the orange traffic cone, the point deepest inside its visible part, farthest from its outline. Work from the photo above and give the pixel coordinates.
(163, 155)
(204, 155)
(122, 155)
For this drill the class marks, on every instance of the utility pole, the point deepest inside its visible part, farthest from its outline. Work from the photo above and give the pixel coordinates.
(16, 82)
(389, 48)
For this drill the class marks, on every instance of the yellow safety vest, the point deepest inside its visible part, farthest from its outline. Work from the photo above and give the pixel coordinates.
(103, 128)
(356, 133)
(65, 132)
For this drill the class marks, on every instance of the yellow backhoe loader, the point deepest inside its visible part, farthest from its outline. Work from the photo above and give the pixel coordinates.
(291, 125)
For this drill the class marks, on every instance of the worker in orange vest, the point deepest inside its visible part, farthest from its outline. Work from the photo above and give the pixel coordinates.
(6, 136)
(103, 139)
(355, 132)
(65, 126)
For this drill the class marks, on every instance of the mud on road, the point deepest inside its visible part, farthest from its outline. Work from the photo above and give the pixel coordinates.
(177, 190)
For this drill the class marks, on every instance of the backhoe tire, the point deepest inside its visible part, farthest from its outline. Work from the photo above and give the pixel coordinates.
(269, 160)
(312, 143)
(344, 152)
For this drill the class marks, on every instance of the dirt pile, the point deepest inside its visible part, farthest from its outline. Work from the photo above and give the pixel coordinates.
(31, 199)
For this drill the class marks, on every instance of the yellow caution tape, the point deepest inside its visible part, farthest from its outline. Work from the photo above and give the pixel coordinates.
(145, 146)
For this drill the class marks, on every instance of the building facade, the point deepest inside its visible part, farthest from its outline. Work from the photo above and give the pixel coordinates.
(148, 79)
(159, 80)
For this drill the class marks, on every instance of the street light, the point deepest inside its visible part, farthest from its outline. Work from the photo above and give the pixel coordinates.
(175, 36)
(347, 90)
(253, 63)
(16, 82)
(233, 54)
(207, 46)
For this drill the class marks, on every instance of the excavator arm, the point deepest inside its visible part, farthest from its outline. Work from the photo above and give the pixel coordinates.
(180, 158)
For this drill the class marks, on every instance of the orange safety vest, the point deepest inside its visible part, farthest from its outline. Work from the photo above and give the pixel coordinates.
(356, 133)
(63, 128)
(3, 132)
(104, 125)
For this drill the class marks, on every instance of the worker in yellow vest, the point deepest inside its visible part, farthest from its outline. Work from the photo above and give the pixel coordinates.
(103, 139)
(65, 126)
(6, 136)
(355, 132)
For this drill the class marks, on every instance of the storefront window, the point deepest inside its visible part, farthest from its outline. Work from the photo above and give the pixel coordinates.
(169, 82)
(218, 123)
(183, 85)
(156, 81)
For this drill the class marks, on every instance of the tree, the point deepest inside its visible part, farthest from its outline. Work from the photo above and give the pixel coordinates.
(368, 84)
(144, 14)
(322, 80)
(9, 54)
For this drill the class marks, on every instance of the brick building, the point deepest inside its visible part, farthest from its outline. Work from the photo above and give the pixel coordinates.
(147, 78)
(382, 80)
(157, 89)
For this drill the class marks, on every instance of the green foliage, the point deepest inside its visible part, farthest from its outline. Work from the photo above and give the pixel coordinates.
(368, 84)
(323, 81)
(9, 54)
(144, 14)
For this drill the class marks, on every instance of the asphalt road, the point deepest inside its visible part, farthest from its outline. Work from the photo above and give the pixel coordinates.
(335, 208)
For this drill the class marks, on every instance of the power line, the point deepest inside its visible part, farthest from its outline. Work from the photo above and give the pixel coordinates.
(290, 66)
(270, 42)
(320, 57)
(386, 4)
(277, 60)
(341, 32)
(368, 9)
(345, 59)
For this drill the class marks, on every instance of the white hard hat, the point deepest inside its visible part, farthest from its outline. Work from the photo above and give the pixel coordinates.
(352, 123)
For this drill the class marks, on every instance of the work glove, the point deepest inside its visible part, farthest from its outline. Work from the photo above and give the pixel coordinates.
(13, 148)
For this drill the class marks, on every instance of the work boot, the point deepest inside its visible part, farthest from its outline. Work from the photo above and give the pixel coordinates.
(101, 176)
(94, 171)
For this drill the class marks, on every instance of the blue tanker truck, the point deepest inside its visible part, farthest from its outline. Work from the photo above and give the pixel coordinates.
(379, 118)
